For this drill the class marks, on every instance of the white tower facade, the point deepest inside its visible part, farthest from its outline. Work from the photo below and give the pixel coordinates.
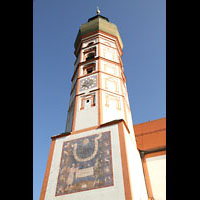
(98, 83)
(97, 155)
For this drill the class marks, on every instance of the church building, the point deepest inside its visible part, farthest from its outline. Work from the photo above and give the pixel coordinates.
(101, 154)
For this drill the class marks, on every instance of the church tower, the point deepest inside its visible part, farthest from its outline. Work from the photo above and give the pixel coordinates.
(96, 157)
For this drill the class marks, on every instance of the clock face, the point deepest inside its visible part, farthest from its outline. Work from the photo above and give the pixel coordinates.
(88, 83)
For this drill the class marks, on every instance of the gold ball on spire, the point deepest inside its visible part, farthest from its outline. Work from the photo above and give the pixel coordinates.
(98, 11)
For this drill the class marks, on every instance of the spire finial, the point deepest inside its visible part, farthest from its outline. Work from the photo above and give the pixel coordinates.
(98, 11)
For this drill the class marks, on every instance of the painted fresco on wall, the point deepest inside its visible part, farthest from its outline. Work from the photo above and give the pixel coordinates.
(86, 164)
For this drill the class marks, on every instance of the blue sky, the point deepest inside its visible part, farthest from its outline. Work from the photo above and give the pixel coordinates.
(142, 26)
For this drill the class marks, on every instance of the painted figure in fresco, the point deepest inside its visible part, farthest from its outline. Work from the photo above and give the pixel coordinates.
(98, 171)
(71, 175)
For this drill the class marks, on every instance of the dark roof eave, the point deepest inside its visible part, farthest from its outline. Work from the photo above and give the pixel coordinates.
(144, 152)
(100, 16)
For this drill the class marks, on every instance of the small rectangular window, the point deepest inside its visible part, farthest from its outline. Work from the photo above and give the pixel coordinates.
(88, 69)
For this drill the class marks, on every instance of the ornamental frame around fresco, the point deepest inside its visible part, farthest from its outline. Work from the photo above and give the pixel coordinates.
(86, 164)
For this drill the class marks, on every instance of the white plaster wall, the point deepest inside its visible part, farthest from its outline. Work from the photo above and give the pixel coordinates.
(125, 93)
(111, 113)
(107, 80)
(157, 173)
(111, 69)
(128, 111)
(87, 117)
(110, 43)
(115, 192)
(110, 53)
(130, 124)
(135, 169)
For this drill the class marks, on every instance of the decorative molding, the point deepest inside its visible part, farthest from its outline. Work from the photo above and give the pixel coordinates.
(90, 97)
(110, 97)
(113, 68)
(113, 81)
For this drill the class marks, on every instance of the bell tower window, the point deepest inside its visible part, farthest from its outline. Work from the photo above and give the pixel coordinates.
(89, 53)
(90, 56)
(88, 69)
(90, 44)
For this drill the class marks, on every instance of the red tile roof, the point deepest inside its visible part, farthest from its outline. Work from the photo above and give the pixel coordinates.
(151, 135)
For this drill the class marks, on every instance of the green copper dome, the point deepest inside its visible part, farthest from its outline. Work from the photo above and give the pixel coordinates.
(95, 23)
